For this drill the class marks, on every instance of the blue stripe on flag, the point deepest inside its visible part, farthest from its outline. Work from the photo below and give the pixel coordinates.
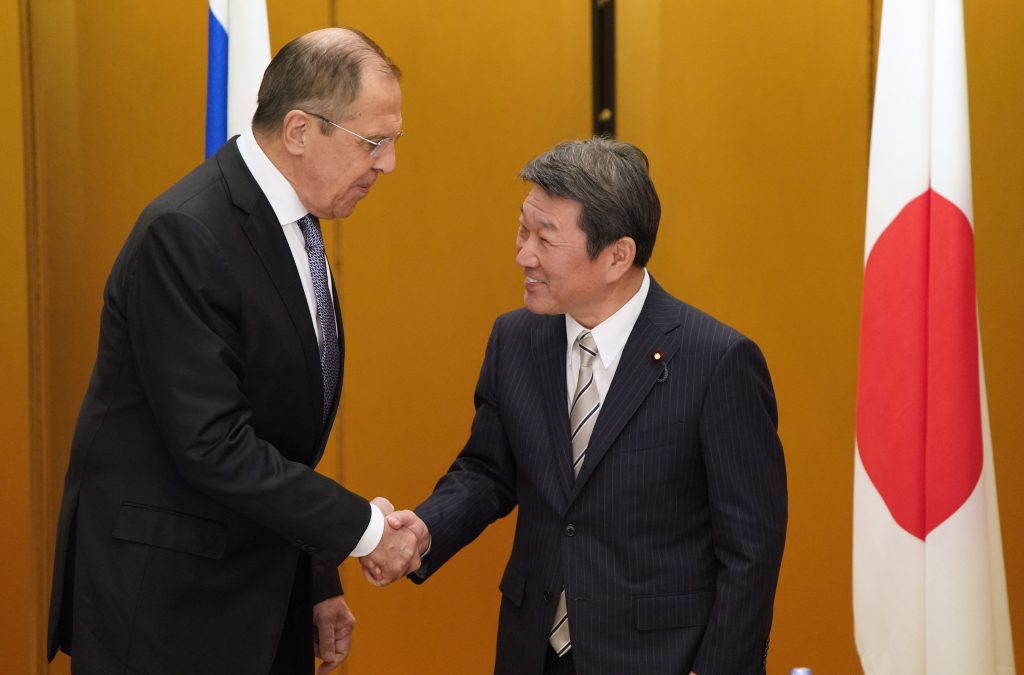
(216, 87)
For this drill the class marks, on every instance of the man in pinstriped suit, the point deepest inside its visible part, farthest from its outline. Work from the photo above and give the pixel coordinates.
(664, 543)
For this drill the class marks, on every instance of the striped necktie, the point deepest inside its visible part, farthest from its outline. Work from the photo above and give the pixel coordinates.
(582, 417)
(329, 355)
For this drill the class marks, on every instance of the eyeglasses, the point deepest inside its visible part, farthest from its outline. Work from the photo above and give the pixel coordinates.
(378, 146)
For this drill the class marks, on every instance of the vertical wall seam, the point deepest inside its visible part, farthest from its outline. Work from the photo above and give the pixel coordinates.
(38, 451)
(602, 55)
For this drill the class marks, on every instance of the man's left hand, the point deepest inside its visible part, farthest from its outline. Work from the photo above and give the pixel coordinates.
(334, 624)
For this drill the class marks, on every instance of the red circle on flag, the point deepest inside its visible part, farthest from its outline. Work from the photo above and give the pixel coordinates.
(918, 391)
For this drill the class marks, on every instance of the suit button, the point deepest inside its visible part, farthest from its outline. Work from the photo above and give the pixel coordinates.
(570, 530)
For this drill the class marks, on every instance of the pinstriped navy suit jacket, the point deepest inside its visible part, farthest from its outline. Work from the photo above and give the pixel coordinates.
(669, 542)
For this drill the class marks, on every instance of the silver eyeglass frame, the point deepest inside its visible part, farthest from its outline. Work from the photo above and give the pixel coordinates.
(378, 146)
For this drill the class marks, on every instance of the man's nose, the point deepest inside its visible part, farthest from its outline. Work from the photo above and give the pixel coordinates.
(386, 159)
(525, 255)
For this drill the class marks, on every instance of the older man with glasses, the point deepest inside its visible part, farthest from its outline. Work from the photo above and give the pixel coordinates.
(195, 536)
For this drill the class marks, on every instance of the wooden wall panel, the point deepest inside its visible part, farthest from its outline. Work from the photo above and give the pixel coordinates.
(757, 120)
(19, 620)
(995, 67)
(758, 140)
(427, 264)
(119, 93)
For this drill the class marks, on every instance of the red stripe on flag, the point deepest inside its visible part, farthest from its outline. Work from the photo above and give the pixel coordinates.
(918, 397)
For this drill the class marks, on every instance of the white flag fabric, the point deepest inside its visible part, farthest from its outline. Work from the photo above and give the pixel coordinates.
(928, 578)
(239, 51)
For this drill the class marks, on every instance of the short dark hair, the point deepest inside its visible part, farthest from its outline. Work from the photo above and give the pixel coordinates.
(320, 72)
(612, 182)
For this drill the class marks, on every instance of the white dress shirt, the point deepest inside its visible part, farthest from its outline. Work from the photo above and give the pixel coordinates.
(288, 209)
(610, 336)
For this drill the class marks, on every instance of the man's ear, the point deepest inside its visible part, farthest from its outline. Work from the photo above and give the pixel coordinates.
(296, 131)
(621, 254)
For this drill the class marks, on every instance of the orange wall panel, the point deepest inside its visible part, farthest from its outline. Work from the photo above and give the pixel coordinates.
(759, 147)
(995, 63)
(19, 620)
(757, 120)
(427, 263)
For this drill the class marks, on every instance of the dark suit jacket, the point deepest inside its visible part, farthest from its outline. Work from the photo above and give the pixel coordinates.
(190, 501)
(669, 542)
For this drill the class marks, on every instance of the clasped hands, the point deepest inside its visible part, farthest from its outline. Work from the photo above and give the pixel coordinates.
(405, 539)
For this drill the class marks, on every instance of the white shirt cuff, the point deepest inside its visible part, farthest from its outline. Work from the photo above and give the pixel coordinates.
(372, 536)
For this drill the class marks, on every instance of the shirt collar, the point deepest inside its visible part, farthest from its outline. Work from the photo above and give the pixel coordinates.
(275, 186)
(611, 334)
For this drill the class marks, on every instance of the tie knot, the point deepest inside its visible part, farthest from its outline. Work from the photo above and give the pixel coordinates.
(588, 348)
(310, 226)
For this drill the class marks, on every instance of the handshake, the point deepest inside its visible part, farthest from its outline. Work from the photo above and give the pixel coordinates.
(405, 540)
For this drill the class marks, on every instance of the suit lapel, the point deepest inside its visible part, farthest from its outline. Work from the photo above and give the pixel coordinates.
(635, 376)
(548, 350)
(267, 238)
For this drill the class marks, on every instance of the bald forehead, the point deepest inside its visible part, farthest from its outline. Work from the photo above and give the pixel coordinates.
(348, 41)
(331, 36)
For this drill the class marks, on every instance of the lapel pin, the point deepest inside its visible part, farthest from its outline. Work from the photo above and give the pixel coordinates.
(659, 357)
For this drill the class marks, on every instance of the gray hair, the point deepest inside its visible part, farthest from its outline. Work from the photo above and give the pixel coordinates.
(612, 183)
(319, 72)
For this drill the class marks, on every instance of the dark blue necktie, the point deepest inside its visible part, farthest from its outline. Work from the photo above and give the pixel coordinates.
(329, 358)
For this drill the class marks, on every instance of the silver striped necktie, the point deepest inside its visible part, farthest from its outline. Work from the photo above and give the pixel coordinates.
(582, 417)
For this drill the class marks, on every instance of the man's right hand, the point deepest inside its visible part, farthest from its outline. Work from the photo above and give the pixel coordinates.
(404, 540)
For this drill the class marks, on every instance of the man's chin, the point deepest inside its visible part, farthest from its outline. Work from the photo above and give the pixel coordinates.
(346, 208)
(537, 307)
(343, 212)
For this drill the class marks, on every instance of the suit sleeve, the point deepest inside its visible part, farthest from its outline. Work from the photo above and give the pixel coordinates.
(479, 487)
(182, 311)
(746, 478)
(326, 581)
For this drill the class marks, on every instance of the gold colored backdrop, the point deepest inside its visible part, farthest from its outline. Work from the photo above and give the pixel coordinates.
(21, 560)
(756, 117)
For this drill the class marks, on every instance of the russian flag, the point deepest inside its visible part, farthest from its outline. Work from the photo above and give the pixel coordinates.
(239, 53)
